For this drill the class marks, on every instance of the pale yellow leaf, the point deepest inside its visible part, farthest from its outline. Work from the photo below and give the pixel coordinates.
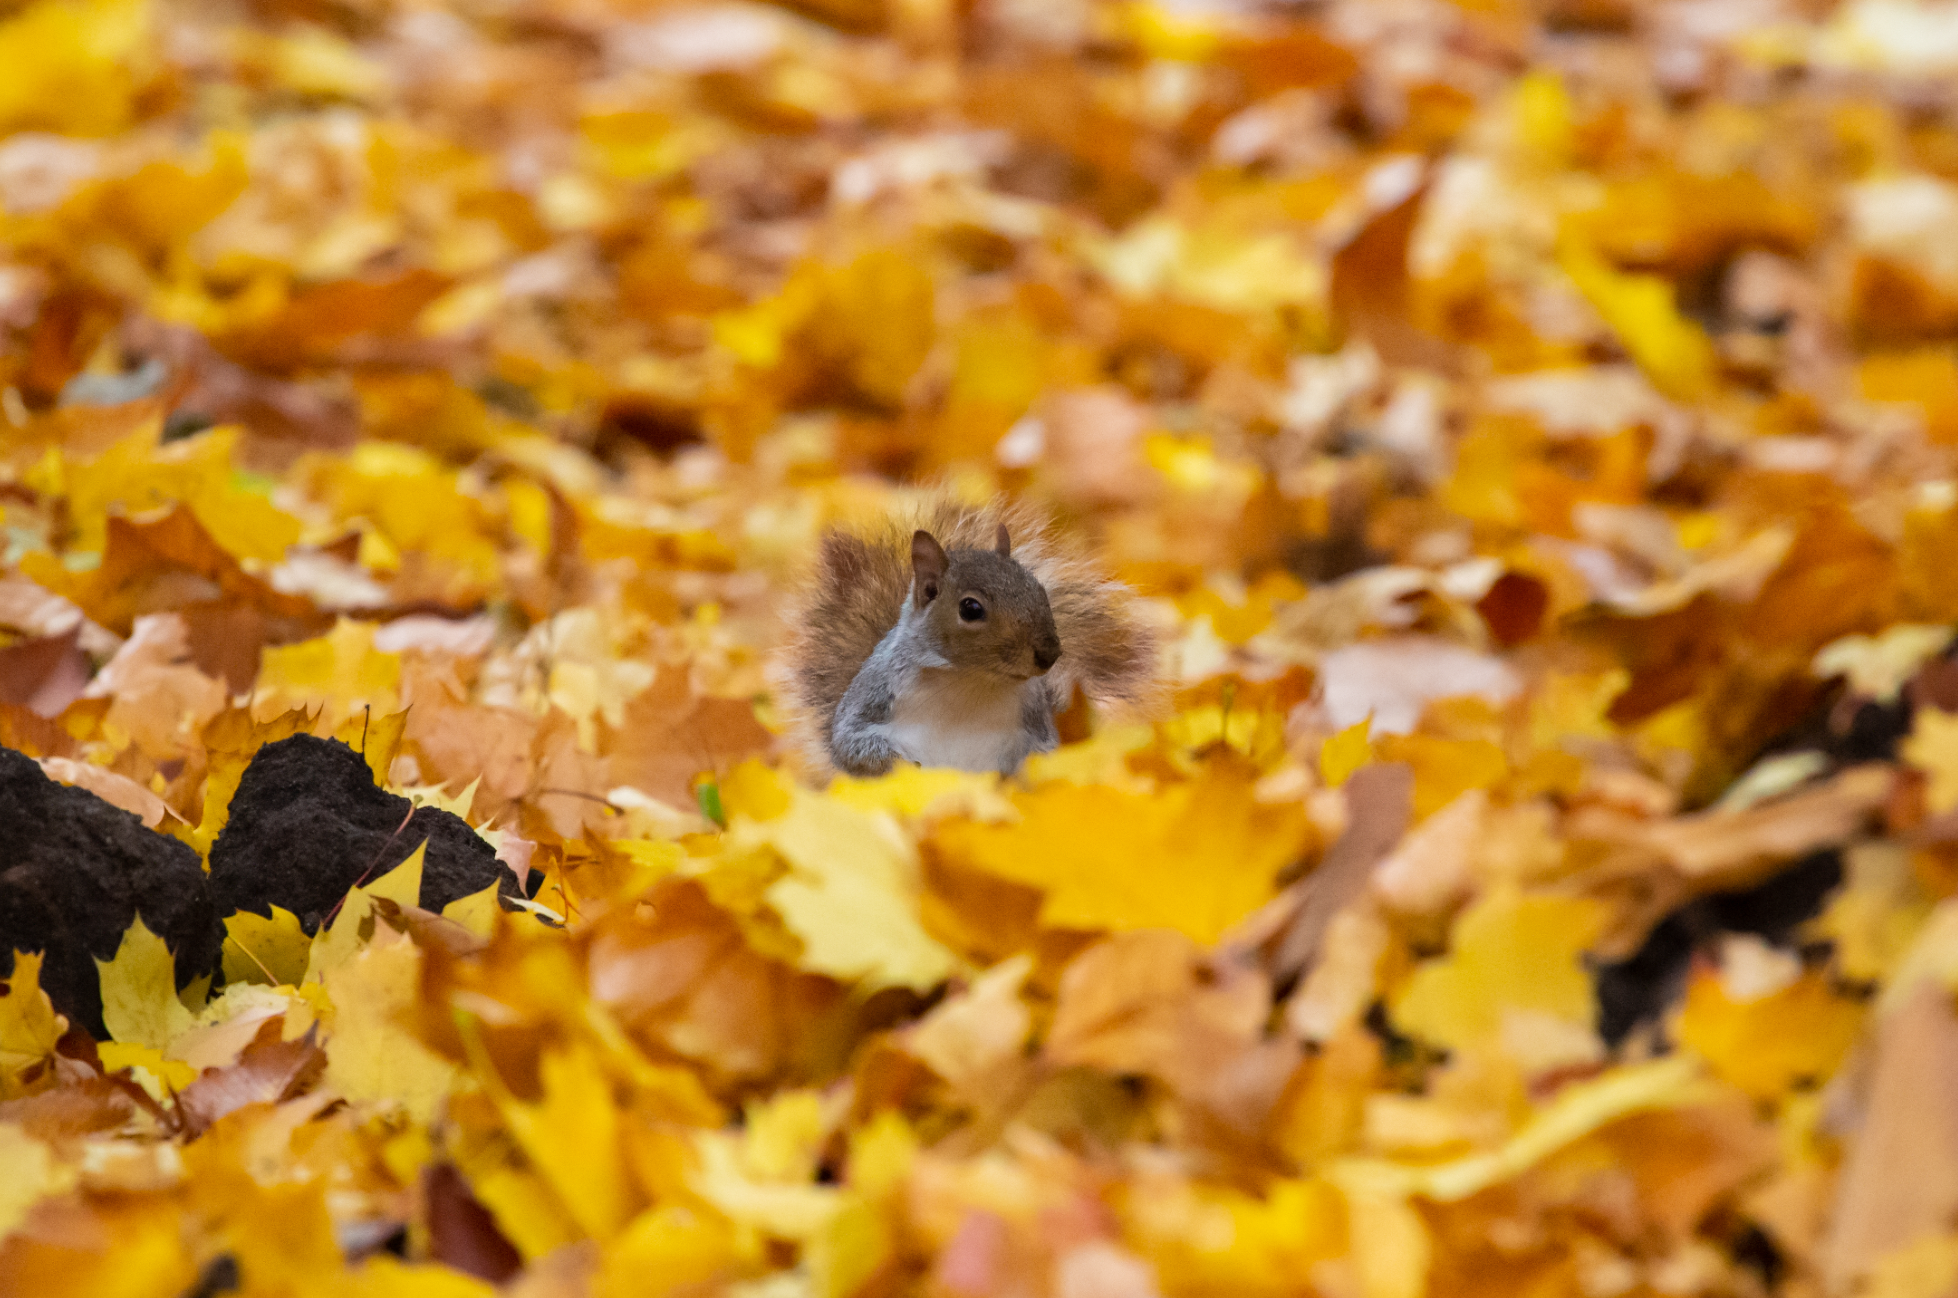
(573, 1138)
(477, 912)
(261, 950)
(1510, 951)
(154, 1073)
(29, 1027)
(370, 1055)
(32, 1173)
(1346, 752)
(139, 991)
(1933, 748)
(851, 893)
(403, 884)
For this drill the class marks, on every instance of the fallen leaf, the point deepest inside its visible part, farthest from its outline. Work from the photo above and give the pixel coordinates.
(32, 1174)
(1510, 953)
(1933, 748)
(139, 991)
(1767, 1044)
(266, 1073)
(975, 1038)
(1197, 857)
(370, 1056)
(29, 1028)
(572, 1136)
(851, 893)
(1345, 753)
(1900, 1181)
(261, 950)
(477, 912)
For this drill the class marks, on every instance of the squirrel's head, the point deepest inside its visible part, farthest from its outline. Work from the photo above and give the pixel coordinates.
(989, 613)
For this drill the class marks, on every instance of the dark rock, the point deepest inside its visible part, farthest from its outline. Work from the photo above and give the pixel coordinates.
(1774, 908)
(1640, 988)
(308, 823)
(74, 874)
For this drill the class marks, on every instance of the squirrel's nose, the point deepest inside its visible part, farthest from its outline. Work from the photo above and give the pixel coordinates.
(1046, 656)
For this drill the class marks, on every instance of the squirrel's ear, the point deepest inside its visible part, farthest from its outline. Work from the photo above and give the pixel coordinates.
(1004, 543)
(927, 567)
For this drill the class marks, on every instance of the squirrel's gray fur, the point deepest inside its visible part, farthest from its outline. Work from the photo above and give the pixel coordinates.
(870, 668)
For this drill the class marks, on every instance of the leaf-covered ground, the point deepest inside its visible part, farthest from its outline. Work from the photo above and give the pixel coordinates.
(1531, 424)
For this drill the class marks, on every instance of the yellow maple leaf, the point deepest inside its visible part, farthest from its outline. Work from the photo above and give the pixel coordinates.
(139, 991)
(882, 1153)
(675, 1249)
(916, 790)
(476, 912)
(29, 1027)
(377, 737)
(438, 796)
(402, 885)
(1767, 1044)
(850, 893)
(262, 950)
(75, 67)
(1214, 1238)
(1674, 352)
(1567, 706)
(156, 1074)
(370, 1056)
(386, 1277)
(1544, 116)
(1346, 752)
(341, 667)
(1932, 747)
(1102, 758)
(572, 1137)
(526, 1211)
(1510, 953)
(352, 925)
(142, 472)
(852, 1246)
(1444, 769)
(1196, 857)
(416, 505)
(755, 791)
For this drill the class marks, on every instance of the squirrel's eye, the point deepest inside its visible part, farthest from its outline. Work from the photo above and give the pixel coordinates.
(971, 610)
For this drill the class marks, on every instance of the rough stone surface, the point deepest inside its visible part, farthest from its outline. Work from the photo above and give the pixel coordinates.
(74, 874)
(308, 823)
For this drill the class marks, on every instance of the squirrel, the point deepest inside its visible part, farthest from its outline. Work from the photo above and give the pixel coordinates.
(953, 640)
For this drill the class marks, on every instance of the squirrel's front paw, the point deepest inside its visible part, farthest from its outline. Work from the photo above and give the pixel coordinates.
(869, 755)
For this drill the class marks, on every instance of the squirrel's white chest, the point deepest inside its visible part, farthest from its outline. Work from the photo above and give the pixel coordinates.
(969, 725)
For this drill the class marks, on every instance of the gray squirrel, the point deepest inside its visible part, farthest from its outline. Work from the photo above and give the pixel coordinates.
(952, 640)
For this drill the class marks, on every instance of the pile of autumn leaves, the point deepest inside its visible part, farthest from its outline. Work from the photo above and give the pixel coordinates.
(1153, 1018)
(1472, 665)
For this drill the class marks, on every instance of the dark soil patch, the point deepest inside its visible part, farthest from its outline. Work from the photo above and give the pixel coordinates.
(74, 874)
(308, 823)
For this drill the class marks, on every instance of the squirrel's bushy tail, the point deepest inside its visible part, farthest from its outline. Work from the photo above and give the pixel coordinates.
(860, 582)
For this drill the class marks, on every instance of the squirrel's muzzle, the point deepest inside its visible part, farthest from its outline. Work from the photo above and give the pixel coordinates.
(1047, 655)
